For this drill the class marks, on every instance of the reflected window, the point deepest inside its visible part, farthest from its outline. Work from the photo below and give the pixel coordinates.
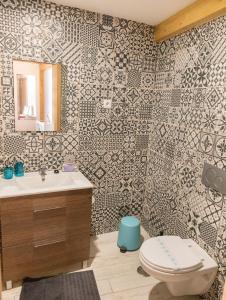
(26, 96)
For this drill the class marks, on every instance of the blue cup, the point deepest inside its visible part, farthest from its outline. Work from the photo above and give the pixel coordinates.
(8, 173)
(19, 169)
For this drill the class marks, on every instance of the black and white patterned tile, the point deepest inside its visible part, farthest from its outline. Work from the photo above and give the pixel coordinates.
(52, 143)
(14, 144)
(167, 115)
(191, 67)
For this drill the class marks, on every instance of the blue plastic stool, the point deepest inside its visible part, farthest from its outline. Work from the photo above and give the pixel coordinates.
(129, 234)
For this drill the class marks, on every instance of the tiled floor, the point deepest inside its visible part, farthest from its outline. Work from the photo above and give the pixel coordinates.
(116, 274)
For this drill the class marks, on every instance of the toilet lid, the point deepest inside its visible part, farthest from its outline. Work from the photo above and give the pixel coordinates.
(169, 254)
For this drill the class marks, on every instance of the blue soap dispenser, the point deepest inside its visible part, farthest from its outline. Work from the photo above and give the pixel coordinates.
(19, 169)
(8, 172)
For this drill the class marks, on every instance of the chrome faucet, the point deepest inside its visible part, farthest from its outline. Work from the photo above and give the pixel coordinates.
(42, 172)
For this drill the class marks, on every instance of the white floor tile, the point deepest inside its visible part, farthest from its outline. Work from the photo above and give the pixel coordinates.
(131, 281)
(104, 287)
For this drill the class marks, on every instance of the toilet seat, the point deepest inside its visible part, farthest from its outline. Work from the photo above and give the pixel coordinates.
(169, 254)
(165, 270)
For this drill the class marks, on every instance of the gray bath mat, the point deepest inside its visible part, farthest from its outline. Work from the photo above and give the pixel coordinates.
(73, 286)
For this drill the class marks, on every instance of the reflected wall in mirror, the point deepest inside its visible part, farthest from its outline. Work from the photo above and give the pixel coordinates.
(37, 96)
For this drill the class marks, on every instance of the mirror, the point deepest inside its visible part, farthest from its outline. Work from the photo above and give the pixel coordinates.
(37, 96)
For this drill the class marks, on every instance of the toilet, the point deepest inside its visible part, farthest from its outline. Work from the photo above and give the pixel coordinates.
(181, 263)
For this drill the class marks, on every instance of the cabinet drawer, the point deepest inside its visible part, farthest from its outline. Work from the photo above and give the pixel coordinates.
(48, 202)
(40, 259)
(44, 217)
(49, 224)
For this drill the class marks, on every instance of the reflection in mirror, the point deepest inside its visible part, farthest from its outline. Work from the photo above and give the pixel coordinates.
(37, 96)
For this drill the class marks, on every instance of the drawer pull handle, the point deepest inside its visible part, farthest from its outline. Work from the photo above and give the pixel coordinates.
(48, 244)
(36, 211)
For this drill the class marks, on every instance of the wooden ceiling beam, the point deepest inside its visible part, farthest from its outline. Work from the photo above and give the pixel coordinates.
(197, 13)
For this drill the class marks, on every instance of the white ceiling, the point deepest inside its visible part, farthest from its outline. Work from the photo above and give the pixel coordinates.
(147, 11)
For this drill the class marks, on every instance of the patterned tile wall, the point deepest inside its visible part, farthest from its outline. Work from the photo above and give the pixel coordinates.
(103, 58)
(188, 127)
(145, 154)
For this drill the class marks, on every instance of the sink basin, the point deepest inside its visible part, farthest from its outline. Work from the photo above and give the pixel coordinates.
(32, 183)
(51, 180)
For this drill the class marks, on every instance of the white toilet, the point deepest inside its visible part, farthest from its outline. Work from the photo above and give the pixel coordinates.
(185, 267)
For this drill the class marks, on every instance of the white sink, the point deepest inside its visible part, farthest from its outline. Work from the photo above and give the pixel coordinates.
(32, 183)
(51, 180)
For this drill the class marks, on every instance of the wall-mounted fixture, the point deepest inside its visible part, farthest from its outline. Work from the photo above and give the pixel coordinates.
(214, 178)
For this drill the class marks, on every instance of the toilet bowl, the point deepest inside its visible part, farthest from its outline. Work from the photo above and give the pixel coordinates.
(182, 264)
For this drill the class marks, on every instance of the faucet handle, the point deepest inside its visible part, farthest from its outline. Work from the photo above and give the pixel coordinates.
(43, 169)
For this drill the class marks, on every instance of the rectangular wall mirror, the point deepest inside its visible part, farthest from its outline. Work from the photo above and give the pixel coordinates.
(37, 94)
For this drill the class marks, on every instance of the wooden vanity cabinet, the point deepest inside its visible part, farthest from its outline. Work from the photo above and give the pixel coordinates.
(43, 233)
